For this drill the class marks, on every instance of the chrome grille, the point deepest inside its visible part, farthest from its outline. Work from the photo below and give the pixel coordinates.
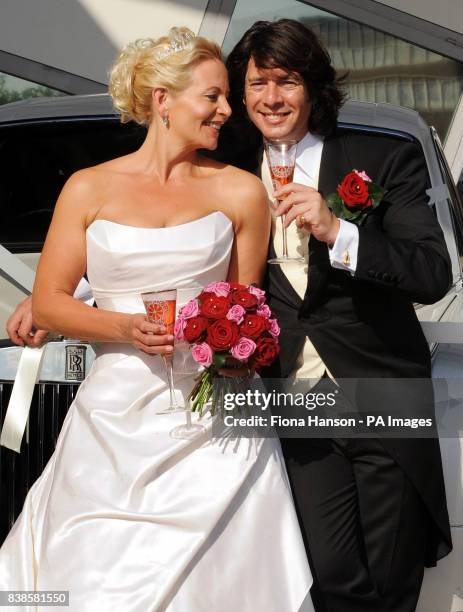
(18, 472)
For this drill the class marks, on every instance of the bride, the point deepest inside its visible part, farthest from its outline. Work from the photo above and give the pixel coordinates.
(124, 517)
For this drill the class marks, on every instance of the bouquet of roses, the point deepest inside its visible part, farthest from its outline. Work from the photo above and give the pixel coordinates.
(226, 320)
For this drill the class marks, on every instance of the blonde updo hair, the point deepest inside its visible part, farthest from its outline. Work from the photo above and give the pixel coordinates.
(147, 63)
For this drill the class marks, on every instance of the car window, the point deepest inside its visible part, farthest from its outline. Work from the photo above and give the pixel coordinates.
(13, 88)
(36, 160)
(456, 205)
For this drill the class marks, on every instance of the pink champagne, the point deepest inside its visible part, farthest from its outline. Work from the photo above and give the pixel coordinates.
(282, 175)
(162, 312)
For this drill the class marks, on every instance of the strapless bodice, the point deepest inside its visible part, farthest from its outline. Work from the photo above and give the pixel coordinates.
(123, 261)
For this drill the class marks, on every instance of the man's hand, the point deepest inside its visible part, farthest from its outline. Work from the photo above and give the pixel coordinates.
(20, 327)
(302, 203)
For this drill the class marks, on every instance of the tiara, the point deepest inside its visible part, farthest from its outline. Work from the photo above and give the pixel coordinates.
(175, 46)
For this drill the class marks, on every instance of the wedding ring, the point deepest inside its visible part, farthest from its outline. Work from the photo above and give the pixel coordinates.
(300, 221)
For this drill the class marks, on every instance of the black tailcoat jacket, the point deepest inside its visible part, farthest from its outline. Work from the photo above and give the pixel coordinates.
(364, 326)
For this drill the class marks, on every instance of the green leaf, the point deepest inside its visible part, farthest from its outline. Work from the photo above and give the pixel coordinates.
(335, 203)
(351, 215)
(376, 192)
(219, 360)
(333, 199)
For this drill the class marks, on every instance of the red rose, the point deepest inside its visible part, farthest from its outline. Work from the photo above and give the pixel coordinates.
(222, 335)
(214, 306)
(244, 298)
(204, 295)
(354, 191)
(266, 352)
(195, 328)
(236, 286)
(253, 326)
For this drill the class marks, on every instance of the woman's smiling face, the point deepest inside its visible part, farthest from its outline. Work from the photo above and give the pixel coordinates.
(197, 113)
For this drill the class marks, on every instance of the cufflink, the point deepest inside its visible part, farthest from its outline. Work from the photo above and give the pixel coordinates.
(346, 258)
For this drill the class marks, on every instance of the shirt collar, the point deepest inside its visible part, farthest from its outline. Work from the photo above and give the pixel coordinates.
(308, 154)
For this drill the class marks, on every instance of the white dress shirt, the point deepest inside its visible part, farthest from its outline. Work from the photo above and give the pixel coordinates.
(343, 253)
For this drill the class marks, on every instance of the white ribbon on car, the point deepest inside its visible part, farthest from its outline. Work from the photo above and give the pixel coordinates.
(21, 397)
(438, 193)
(27, 376)
(20, 275)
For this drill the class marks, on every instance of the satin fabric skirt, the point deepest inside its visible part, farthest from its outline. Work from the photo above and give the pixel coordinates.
(127, 518)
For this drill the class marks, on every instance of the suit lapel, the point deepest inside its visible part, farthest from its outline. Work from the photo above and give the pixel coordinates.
(334, 165)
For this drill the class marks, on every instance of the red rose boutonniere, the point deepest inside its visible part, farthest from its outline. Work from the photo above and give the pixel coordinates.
(355, 197)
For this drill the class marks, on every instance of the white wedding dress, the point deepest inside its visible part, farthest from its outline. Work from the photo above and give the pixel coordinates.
(129, 519)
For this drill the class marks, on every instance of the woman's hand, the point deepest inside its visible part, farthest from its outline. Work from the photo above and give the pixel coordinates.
(20, 327)
(148, 337)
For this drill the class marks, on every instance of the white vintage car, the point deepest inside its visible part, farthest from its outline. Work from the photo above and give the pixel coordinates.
(43, 141)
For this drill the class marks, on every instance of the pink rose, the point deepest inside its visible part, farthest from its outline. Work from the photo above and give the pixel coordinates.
(236, 314)
(264, 311)
(179, 326)
(362, 174)
(259, 293)
(273, 328)
(243, 349)
(220, 288)
(191, 309)
(202, 354)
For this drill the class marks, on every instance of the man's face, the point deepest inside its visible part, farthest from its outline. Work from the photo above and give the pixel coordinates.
(277, 102)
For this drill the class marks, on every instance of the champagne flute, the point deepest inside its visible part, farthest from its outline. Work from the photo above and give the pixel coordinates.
(281, 159)
(188, 430)
(160, 309)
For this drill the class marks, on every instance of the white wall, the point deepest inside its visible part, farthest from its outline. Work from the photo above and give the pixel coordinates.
(446, 13)
(83, 36)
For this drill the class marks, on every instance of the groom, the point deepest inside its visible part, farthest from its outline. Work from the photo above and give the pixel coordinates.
(373, 512)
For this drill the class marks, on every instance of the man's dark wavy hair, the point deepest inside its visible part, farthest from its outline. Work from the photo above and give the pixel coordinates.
(290, 45)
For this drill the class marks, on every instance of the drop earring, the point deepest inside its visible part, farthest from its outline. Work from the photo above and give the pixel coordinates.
(165, 120)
